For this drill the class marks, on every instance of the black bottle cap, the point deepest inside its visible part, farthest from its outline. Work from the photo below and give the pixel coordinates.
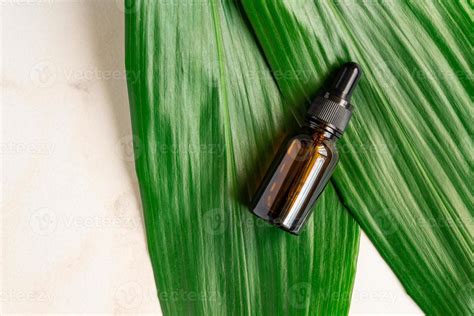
(332, 108)
(345, 81)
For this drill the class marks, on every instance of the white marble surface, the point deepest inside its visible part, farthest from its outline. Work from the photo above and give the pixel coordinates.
(72, 232)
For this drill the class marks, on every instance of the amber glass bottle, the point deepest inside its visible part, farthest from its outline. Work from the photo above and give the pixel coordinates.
(307, 160)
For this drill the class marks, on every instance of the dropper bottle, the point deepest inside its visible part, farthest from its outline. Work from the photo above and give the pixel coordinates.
(307, 160)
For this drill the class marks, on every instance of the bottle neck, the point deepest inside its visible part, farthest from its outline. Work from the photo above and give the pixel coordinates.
(324, 131)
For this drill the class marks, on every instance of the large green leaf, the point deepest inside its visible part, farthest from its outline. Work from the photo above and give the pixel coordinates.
(406, 160)
(207, 118)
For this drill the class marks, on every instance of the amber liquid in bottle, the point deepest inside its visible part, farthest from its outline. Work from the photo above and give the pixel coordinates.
(296, 179)
(306, 161)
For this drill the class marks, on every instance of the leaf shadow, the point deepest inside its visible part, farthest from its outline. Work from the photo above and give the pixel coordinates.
(105, 21)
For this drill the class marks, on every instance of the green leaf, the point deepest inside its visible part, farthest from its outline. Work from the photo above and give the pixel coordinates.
(406, 159)
(207, 117)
